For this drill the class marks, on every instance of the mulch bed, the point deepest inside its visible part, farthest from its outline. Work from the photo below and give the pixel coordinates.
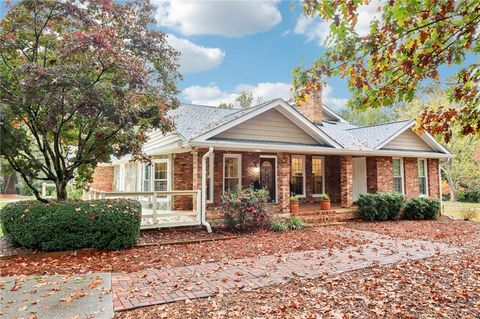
(139, 258)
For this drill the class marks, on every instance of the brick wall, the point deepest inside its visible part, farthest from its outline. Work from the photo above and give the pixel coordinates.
(284, 182)
(182, 179)
(379, 174)
(410, 169)
(433, 187)
(346, 182)
(332, 178)
(103, 178)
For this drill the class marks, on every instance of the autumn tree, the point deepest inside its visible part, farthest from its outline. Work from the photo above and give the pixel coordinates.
(80, 81)
(404, 47)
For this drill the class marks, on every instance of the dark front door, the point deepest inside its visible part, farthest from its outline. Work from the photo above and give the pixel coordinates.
(268, 177)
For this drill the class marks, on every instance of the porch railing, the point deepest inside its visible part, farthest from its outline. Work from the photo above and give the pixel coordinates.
(158, 207)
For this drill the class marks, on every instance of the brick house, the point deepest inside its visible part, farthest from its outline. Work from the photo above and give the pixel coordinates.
(286, 149)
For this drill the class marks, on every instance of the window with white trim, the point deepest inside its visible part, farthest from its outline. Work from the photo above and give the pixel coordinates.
(232, 172)
(297, 175)
(209, 180)
(317, 175)
(160, 176)
(422, 177)
(398, 175)
(146, 180)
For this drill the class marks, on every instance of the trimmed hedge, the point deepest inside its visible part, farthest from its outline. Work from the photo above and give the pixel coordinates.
(107, 224)
(469, 196)
(380, 206)
(421, 208)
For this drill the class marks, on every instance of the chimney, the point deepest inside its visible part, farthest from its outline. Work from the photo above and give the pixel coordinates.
(312, 108)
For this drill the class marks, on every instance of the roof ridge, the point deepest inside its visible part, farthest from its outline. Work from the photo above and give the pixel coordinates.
(373, 125)
(209, 106)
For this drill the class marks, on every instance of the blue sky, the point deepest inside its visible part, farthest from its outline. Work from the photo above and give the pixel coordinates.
(231, 46)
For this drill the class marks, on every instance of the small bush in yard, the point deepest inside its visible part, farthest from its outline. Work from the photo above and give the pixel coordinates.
(295, 223)
(107, 224)
(421, 208)
(279, 226)
(380, 206)
(246, 208)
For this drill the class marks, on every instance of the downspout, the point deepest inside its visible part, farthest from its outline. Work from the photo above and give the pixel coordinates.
(204, 191)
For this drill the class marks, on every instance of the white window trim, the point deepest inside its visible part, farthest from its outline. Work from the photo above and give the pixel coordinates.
(276, 174)
(323, 175)
(402, 173)
(169, 179)
(210, 164)
(239, 173)
(303, 173)
(425, 163)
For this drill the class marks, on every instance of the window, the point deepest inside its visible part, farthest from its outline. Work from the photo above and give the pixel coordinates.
(317, 175)
(232, 176)
(297, 179)
(160, 176)
(209, 180)
(398, 175)
(422, 177)
(147, 181)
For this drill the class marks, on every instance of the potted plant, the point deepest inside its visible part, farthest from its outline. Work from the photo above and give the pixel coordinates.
(325, 202)
(294, 208)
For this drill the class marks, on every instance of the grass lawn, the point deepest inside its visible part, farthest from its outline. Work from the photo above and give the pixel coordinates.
(459, 209)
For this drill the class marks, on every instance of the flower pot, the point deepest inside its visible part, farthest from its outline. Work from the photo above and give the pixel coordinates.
(294, 208)
(325, 204)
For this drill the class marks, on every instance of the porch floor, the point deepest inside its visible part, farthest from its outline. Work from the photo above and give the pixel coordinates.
(171, 218)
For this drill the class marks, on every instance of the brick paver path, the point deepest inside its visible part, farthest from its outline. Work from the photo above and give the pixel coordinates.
(154, 286)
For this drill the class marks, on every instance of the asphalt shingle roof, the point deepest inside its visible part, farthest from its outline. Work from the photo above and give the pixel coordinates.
(193, 120)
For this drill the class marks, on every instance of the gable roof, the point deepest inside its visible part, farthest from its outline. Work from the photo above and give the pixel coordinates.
(200, 123)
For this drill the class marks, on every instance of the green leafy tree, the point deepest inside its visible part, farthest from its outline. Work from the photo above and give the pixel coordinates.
(245, 99)
(367, 117)
(406, 46)
(80, 81)
(225, 105)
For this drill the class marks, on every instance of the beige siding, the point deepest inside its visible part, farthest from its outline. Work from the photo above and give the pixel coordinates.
(269, 126)
(408, 140)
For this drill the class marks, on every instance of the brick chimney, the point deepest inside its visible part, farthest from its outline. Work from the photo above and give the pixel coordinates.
(312, 109)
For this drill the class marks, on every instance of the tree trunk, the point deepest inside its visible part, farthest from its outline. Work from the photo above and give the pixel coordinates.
(9, 187)
(61, 190)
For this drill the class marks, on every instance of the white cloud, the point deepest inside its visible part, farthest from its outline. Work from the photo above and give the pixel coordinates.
(213, 95)
(231, 18)
(331, 102)
(317, 29)
(195, 58)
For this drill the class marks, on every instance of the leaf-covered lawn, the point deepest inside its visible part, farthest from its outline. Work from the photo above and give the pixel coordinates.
(438, 287)
(135, 259)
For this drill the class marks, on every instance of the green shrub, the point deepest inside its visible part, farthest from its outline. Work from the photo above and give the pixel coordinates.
(469, 196)
(295, 223)
(293, 199)
(108, 224)
(279, 226)
(380, 206)
(324, 197)
(246, 208)
(421, 208)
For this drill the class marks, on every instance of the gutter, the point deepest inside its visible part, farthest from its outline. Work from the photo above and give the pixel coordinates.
(203, 208)
(315, 150)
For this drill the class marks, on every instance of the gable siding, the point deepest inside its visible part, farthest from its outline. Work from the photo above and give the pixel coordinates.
(408, 140)
(269, 126)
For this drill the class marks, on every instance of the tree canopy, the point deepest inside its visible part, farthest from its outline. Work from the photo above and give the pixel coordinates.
(403, 48)
(81, 81)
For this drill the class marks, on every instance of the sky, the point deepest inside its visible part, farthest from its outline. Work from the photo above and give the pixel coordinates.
(229, 46)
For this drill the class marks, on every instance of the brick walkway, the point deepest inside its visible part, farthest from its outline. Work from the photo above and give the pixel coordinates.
(153, 286)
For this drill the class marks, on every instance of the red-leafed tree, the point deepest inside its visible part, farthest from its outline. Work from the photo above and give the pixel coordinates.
(404, 47)
(80, 81)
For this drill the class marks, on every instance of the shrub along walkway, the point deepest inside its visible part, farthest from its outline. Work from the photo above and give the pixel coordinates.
(151, 287)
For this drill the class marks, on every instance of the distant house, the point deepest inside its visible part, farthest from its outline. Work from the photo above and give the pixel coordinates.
(286, 149)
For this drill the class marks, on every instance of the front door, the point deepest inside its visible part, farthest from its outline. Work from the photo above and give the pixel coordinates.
(268, 177)
(359, 177)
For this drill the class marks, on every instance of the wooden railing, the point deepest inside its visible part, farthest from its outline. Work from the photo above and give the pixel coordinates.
(161, 217)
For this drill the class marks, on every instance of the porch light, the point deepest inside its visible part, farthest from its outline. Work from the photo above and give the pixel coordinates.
(258, 150)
